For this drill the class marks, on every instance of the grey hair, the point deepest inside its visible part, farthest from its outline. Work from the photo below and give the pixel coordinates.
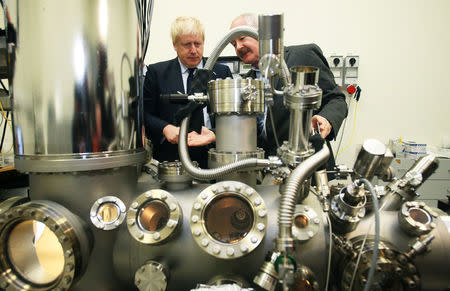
(250, 19)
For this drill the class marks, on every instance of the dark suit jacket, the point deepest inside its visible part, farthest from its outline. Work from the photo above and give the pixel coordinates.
(165, 78)
(333, 108)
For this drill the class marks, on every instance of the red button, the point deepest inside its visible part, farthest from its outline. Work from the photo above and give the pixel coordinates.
(351, 89)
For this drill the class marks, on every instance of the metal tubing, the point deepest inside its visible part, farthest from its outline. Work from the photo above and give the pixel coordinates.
(287, 204)
(232, 34)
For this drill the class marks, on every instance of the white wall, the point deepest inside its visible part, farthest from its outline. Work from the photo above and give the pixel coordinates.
(404, 49)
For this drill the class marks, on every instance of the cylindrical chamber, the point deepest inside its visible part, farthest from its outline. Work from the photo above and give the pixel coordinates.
(236, 133)
(302, 98)
(88, 107)
(369, 158)
(240, 96)
(300, 124)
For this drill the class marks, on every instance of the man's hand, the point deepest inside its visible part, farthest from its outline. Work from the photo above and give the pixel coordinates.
(204, 138)
(171, 132)
(324, 125)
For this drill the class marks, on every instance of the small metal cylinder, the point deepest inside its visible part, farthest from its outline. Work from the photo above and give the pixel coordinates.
(369, 158)
(271, 34)
(302, 98)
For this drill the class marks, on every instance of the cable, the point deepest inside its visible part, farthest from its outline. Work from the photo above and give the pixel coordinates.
(329, 253)
(342, 132)
(353, 131)
(273, 126)
(373, 263)
(4, 130)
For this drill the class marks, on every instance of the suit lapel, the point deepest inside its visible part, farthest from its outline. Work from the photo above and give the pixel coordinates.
(175, 79)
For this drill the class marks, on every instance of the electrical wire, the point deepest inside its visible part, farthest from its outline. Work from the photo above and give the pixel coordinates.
(373, 263)
(329, 253)
(342, 131)
(353, 131)
(10, 126)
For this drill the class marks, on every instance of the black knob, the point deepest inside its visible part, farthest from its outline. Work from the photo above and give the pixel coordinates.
(336, 61)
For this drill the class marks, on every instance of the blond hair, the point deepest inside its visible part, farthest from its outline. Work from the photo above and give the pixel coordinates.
(186, 25)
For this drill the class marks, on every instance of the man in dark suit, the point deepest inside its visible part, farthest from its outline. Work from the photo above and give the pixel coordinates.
(333, 110)
(172, 77)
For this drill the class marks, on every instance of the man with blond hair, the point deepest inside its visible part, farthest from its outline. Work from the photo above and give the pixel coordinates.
(172, 77)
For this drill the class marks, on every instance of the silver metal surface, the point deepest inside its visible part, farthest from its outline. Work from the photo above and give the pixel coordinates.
(303, 77)
(347, 210)
(236, 133)
(416, 218)
(369, 159)
(431, 266)
(190, 265)
(223, 158)
(154, 216)
(293, 158)
(306, 223)
(238, 96)
(250, 238)
(27, 264)
(89, 104)
(152, 276)
(173, 175)
(79, 162)
(108, 213)
(218, 159)
(271, 49)
(302, 97)
(299, 126)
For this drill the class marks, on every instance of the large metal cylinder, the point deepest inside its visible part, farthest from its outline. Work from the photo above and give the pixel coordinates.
(74, 84)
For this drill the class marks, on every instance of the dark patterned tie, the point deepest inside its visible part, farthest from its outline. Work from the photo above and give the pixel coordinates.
(189, 79)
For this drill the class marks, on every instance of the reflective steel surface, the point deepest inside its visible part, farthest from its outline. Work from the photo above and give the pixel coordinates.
(75, 78)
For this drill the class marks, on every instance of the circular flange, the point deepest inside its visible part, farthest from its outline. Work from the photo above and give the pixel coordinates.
(240, 213)
(173, 172)
(223, 158)
(154, 216)
(238, 96)
(151, 276)
(108, 212)
(23, 228)
(416, 218)
(306, 223)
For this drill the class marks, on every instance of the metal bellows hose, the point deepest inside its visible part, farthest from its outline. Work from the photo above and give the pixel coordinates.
(287, 203)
